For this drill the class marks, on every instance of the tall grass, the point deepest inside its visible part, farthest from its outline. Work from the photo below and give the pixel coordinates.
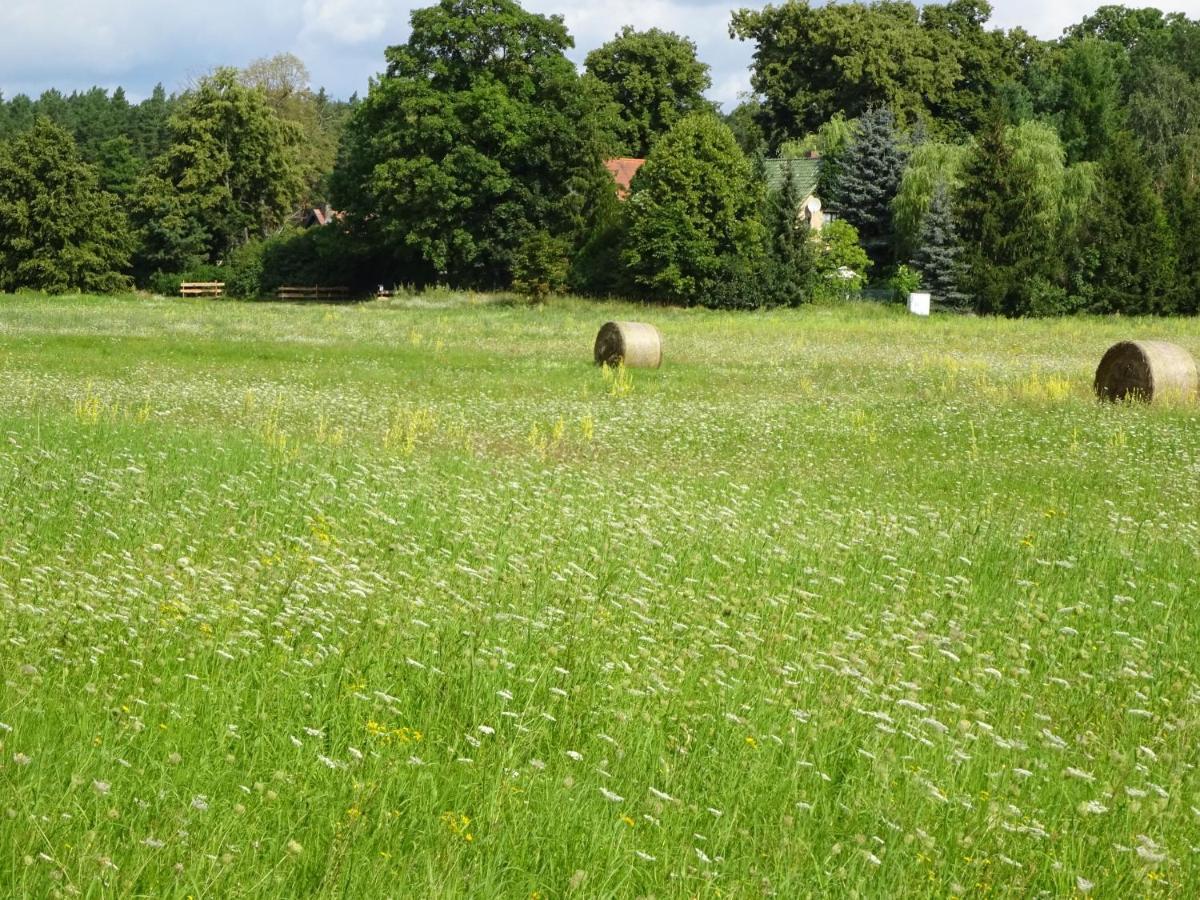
(407, 600)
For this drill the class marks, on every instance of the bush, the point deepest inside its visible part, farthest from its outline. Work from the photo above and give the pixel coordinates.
(740, 285)
(903, 283)
(540, 266)
(839, 251)
(244, 272)
(1049, 299)
(324, 256)
(598, 269)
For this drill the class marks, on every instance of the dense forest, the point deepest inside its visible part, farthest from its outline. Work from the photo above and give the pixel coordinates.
(1004, 173)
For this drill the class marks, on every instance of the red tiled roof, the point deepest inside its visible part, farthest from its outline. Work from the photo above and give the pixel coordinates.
(623, 169)
(316, 215)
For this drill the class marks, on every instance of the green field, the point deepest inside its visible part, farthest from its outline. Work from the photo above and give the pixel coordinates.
(411, 600)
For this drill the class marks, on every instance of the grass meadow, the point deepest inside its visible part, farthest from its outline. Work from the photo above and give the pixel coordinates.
(410, 600)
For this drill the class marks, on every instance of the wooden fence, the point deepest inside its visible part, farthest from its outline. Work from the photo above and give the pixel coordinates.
(313, 292)
(202, 289)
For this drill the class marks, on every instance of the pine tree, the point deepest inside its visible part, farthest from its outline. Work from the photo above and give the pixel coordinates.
(1136, 270)
(938, 256)
(867, 179)
(789, 230)
(1182, 201)
(790, 269)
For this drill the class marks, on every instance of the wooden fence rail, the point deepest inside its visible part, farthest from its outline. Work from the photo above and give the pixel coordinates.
(202, 289)
(312, 292)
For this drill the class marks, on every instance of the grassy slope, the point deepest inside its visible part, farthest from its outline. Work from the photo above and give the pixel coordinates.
(391, 601)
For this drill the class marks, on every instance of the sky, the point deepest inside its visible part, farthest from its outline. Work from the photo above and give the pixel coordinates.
(75, 44)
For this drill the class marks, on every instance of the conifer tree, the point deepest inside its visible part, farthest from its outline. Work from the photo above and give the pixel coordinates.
(1010, 211)
(58, 230)
(869, 172)
(1136, 261)
(790, 270)
(1182, 201)
(938, 256)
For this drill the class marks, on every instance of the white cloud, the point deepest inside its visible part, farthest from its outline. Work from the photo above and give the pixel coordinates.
(1049, 19)
(74, 44)
(346, 21)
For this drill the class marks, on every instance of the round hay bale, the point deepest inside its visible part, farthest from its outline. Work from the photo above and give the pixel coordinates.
(638, 344)
(1146, 370)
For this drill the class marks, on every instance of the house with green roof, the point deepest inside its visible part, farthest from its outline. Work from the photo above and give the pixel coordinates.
(805, 172)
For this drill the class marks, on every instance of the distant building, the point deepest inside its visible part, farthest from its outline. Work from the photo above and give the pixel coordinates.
(805, 172)
(319, 215)
(622, 170)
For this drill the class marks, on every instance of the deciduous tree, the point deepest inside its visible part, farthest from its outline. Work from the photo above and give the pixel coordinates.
(693, 209)
(654, 78)
(232, 161)
(480, 135)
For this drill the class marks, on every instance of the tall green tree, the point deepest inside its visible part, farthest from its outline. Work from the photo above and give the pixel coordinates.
(936, 63)
(868, 177)
(693, 209)
(168, 237)
(937, 251)
(654, 78)
(933, 167)
(284, 81)
(743, 121)
(118, 166)
(22, 113)
(151, 128)
(480, 135)
(1088, 105)
(792, 264)
(1121, 25)
(232, 161)
(58, 230)
(1163, 111)
(1018, 210)
(991, 63)
(1136, 260)
(1181, 199)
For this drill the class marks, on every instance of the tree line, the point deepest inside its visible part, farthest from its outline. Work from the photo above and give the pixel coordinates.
(1004, 173)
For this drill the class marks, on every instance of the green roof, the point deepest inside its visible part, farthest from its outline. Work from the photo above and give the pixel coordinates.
(804, 172)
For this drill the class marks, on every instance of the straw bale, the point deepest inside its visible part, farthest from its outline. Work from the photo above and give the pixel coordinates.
(638, 344)
(1147, 371)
